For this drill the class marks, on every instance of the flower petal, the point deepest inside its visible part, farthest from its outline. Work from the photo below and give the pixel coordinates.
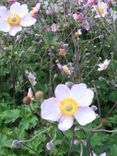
(14, 30)
(82, 95)
(50, 109)
(15, 7)
(21, 10)
(85, 115)
(3, 12)
(28, 20)
(4, 26)
(65, 123)
(62, 91)
(77, 90)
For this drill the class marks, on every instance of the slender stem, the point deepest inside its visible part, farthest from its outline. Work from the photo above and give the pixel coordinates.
(81, 149)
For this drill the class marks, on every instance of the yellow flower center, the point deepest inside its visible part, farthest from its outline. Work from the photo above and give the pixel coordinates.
(66, 69)
(101, 10)
(68, 106)
(14, 19)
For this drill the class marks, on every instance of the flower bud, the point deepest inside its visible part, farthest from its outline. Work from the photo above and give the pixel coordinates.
(16, 144)
(39, 95)
(69, 84)
(50, 145)
(26, 100)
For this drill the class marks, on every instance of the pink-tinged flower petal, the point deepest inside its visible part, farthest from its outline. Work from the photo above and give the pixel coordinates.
(50, 109)
(4, 26)
(3, 12)
(85, 115)
(21, 10)
(65, 123)
(14, 30)
(28, 20)
(62, 91)
(82, 95)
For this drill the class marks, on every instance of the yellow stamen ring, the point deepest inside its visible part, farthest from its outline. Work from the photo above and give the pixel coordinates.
(14, 19)
(101, 10)
(68, 106)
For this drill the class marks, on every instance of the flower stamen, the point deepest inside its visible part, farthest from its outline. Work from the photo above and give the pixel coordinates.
(68, 106)
(14, 19)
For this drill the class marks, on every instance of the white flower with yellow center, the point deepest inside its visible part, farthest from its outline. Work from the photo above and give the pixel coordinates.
(100, 10)
(12, 20)
(69, 104)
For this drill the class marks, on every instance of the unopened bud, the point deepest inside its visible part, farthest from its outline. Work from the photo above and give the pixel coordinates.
(69, 84)
(50, 145)
(26, 100)
(16, 144)
(39, 95)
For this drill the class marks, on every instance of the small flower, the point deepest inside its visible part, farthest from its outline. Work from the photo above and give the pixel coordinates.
(69, 104)
(78, 16)
(35, 10)
(50, 145)
(31, 77)
(62, 52)
(104, 65)
(13, 20)
(100, 10)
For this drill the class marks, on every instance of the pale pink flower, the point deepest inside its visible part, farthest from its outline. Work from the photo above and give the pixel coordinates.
(13, 20)
(94, 154)
(104, 65)
(35, 10)
(100, 10)
(69, 104)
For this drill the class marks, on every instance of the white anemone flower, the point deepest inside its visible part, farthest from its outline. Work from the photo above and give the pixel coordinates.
(69, 104)
(104, 65)
(100, 10)
(15, 18)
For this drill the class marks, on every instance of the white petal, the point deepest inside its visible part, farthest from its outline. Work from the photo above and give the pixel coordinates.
(65, 123)
(50, 109)
(14, 30)
(103, 154)
(14, 7)
(85, 115)
(4, 26)
(21, 10)
(28, 20)
(62, 91)
(82, 95)
(86, 99)
(3, 12)
(77, 90)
